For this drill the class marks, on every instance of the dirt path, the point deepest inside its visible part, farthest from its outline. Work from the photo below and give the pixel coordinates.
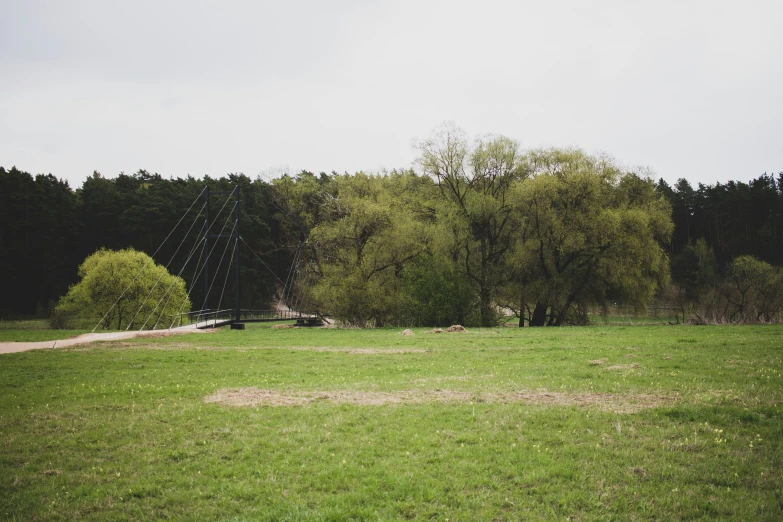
(14, 347)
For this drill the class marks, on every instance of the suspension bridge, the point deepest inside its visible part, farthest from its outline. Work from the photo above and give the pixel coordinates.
(207, 237)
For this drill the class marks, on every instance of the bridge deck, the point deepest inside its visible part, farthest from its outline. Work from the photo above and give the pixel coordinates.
(218, 318)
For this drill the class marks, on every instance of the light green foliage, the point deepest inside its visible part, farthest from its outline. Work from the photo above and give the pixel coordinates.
(695, 270)
(301, 199)
(474, 184)
(376, 227)
(439, 294)
(751, 292)
(585, 229)
(552, 231)
(125, 289)
(694, 273)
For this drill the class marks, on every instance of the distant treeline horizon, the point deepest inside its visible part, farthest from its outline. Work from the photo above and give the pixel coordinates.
(49, 228)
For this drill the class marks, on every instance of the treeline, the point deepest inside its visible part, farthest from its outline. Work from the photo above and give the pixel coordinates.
(48, 229)
(734, 218)
(482, 229)
(486, 230)
(726, 250)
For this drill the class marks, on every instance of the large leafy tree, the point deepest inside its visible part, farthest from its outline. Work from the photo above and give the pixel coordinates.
(475, 184)
(373, 232)
(751, 292)
(125, 289)
(585, 229)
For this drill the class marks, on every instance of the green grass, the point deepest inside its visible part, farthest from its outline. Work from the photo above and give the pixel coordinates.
(33, 330)
(122, 431)
(632, 320)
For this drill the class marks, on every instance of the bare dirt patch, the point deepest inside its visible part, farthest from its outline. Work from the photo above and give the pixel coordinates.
(601, 401)
(356, 351)
(373, 351)
(457, 378)
(623, 367)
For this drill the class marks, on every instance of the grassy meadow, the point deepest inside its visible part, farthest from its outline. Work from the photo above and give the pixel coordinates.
(33, 330)
(593, 423)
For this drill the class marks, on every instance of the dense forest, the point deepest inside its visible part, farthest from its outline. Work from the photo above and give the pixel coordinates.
(48, 229)
(479, 228)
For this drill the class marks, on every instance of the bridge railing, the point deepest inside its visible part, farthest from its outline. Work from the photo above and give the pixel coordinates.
(256, 315)
(203, 318)
(214, 318)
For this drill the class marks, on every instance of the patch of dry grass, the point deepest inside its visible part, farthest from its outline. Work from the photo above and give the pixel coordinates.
(603, 401)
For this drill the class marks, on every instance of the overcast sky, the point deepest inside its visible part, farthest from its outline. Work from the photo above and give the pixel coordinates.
(689, 89)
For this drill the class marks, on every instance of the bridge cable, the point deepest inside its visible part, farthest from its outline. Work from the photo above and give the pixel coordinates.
(148, 262)
(220, 234)
(174, 281)
(210, 287)
(162, 273)
(305, 298)
(198, 264)
(295, 281)
(287, 293)
(187, 296)
(287, 279)
(220, 263)
(228, 272)
(195, 278)
(209, 254)
(300, 296)
(179, 274)
(296, 278)
(262, 261)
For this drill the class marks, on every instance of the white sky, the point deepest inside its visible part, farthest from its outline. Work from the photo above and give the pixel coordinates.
(689, 89)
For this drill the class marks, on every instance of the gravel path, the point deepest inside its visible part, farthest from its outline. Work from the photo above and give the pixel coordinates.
(15, 347)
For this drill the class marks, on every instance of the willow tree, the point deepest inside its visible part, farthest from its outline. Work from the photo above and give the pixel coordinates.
(751, 292)
(586, 228)
(374, 227)
(475, 183)
(124, 289)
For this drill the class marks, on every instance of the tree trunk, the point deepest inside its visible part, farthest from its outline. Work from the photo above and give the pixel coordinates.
(522, 311)
(487, 317)
(539, 315)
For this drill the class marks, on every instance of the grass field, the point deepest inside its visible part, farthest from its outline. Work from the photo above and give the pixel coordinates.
(34, 330)
(622, 423)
